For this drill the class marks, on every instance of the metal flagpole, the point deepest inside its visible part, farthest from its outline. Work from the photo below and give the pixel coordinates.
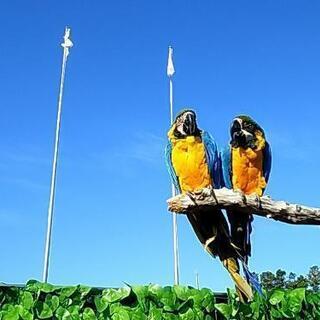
(197, 281)
(170, 72)
(67, 44)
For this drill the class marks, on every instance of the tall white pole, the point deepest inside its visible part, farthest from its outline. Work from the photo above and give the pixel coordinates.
(67, 44)
(197, 281)
(170, 72)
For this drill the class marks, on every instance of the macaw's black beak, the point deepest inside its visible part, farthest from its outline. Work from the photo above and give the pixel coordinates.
(190, 124)
(235, 131)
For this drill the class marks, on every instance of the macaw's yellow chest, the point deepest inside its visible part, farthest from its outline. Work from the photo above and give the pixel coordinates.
(189, 163)
(247, 170)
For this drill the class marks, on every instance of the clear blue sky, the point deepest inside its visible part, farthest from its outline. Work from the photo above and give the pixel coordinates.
(261, 58)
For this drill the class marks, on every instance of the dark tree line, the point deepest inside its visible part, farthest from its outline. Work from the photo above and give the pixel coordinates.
(280, 279)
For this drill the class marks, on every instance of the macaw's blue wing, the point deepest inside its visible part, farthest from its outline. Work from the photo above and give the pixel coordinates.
(225, 156)
(213, 159)
(172, 173)
(267, 160)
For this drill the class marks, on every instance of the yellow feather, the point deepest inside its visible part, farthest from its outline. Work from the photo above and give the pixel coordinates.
(247, 169)
(189, 162)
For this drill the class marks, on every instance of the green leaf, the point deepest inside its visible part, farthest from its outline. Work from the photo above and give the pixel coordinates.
(46, 287)
(202, 298)
(88, 314)
(101, 303)
(200, 315)
(224, 309)
(68, 291)
(155, 314)
(170, 316)
(154, 289)
(276, 314)
(137, 314)
(25, 314)
(184, 306)
(208, 302)
(119, 313)
(10, 312)
(232, 294)
(65, 302)
(189, 315)
(63, 314)
(103, 316)
(313, 299)
(33, 285)
(255, 308)
(245, 311)
(168, 298)
(52, 302)
(84, 291)
(143, 293)
(43, 310)
(182, 292)
(26, 300)
(113, 295)
(276, 297)
(295, 300)
(74, 311)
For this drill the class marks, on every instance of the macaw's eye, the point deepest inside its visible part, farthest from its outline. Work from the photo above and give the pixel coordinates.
(249, 127)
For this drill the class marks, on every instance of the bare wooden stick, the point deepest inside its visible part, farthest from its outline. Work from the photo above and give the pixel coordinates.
(262, 206)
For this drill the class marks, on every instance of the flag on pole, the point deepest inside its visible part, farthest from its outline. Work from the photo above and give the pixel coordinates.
(170, 67)
(67, 44)
(170, 72)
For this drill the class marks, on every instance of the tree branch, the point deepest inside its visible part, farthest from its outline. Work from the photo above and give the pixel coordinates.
(261, 206)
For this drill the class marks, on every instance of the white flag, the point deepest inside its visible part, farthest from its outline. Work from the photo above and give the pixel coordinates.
(170, 67)
(67, 42)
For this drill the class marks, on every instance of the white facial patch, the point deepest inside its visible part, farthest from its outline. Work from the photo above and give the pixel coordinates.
(180, 122)
(239, 120)
(245, 132)
(180, 128)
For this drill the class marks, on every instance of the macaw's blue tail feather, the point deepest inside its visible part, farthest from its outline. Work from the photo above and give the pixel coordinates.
(252, 278)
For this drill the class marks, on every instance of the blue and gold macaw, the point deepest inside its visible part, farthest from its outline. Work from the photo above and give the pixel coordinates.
(193, 163)
(246, 165)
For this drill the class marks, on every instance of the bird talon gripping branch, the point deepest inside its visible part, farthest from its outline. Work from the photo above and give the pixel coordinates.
(258, 201)
(192, 198)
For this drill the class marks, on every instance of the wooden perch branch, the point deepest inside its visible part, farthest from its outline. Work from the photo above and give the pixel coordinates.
(262, 206)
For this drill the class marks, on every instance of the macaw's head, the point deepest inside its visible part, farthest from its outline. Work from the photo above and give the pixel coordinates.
(245, 132)
(185, 124)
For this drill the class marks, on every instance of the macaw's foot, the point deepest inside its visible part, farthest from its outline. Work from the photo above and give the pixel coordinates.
(243, 288)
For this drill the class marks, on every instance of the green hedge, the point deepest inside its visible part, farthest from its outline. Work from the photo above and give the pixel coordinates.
(44, 301)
